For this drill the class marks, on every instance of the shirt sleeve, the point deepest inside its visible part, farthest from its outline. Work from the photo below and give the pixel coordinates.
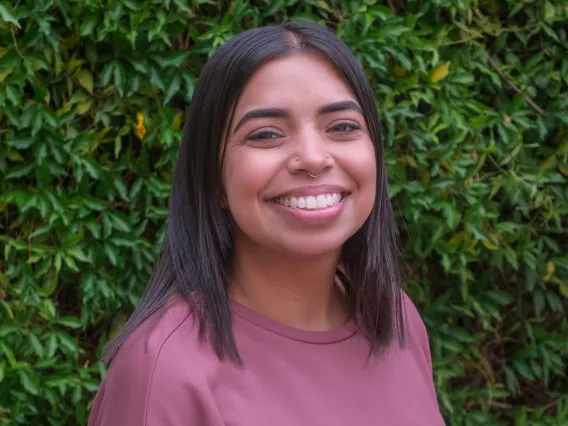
(154, 385)
(419, 341)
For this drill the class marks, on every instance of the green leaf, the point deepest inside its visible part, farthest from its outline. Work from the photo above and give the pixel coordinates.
(22, 143)
(91, 167)
(157, 79)
(8, 329)
(21, 171)
(500, 296)
(112, 253)
(121, 188)
(14, 95)
(79, 255)
(68, 321)
(107, 73)
(140, 66)
(51, 346)
(136, 188)
(70, 262)
(124, 242)
(119, 78)
(57, 262)
(88, 25)
(453, 216)
(131, 5)
(524, 370)
(95, 228)
(538, 301)
(68, 344)
(29, 381)
(170, 59)
(183, 6)
(173, 88)
(8, 354)
(93, 204)
(119, 222)
(7, 13)
(36, 345)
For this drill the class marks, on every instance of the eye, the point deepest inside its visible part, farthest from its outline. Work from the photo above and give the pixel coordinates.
(263, 134)
(345, 127)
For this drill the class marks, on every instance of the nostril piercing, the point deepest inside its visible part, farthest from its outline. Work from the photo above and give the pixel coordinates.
(327, 156)
(297, 159)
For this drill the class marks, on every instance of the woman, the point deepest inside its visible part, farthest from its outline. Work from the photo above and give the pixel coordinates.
(277, 298)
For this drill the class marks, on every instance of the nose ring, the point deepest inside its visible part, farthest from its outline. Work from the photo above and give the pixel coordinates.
(310, 173)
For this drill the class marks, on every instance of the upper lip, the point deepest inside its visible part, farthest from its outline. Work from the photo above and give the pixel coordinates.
(302, 191)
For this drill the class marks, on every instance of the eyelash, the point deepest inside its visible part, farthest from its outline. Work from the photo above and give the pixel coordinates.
(267, 134)
(262, 135)
(353, 126)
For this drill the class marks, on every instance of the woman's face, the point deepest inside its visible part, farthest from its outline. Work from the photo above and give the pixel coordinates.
(297, 116)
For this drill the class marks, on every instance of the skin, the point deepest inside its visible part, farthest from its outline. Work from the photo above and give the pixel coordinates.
(285, 265)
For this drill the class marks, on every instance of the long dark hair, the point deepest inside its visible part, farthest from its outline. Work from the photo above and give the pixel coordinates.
(197, 254)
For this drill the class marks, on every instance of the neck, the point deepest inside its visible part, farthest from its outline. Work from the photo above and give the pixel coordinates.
(294, 290)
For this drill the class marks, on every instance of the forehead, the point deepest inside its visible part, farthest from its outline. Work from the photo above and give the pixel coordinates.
(294, 81)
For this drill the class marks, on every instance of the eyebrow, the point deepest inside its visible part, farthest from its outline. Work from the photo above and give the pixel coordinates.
(283, 113)
(341, 106)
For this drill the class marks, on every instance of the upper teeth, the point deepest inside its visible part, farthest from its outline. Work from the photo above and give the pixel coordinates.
(311, 201)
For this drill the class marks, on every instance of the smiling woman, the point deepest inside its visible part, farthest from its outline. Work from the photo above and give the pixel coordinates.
(277, 298)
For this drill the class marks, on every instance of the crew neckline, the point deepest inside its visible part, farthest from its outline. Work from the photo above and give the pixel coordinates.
(307, 336)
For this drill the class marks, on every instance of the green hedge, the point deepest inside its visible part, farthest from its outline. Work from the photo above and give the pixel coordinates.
(473, 98)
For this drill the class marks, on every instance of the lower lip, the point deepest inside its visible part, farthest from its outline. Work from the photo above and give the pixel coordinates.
(315, 216)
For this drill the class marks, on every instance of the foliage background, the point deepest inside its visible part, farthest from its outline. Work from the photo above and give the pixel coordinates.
(472, 94)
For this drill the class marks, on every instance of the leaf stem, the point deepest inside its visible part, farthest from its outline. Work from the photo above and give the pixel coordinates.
(515, 87)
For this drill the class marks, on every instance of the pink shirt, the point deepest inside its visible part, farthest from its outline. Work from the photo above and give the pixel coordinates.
(162, 376)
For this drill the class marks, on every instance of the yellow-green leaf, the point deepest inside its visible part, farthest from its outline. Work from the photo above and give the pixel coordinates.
(548, 163)
(85, 79)
(440, 72)
(399, 71)
(83, 107)
(74, 63)
(322, 4)
(489, 245)
(550, 269)
(564, 289)
(549, 11)
(5, 73)
(14, 156)
(411, 161)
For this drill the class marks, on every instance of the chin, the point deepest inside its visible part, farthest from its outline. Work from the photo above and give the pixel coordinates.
(311, 246)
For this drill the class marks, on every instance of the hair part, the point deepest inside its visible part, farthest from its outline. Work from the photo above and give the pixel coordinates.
(197, 253)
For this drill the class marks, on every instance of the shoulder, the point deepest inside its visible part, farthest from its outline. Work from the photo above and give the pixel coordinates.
(416, 332)
(151, 368)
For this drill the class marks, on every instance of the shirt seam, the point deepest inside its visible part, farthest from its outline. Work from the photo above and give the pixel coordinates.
(327, 342)
(146, 405)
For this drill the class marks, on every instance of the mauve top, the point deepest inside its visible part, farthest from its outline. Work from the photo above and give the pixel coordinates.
(163, 376)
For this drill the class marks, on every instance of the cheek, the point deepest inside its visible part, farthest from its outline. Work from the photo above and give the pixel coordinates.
(361, 165)
(245, 174)
(367, 168)
(368, 165)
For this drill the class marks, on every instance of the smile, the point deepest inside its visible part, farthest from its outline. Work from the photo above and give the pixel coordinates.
(311, 202)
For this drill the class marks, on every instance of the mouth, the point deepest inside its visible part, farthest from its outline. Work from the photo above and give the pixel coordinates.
(311, 202)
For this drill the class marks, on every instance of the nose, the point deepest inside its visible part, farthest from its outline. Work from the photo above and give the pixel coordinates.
(312, 154)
